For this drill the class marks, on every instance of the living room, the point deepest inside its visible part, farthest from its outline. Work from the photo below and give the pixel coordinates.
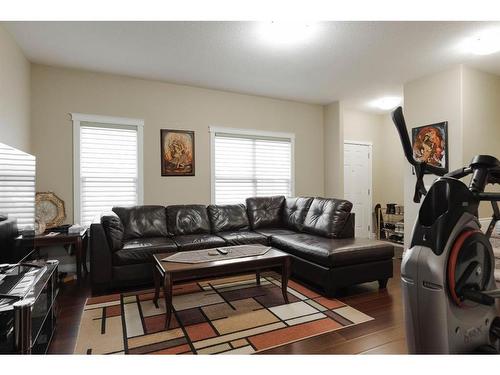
(242, 186)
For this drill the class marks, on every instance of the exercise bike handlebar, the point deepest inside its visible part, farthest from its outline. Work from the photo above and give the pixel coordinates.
(399, 121)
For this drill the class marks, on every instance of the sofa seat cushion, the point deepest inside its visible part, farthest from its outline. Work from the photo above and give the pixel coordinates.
(333, 252)
(141, 250)
(243, 238)
(275, 232)
(230, 217)
(142, 221)
(198, 241)
(187, 219)
(327, 217)
(265, 212)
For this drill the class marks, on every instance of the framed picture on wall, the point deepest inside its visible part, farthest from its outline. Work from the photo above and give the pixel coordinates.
(430, 144)
(177, 152)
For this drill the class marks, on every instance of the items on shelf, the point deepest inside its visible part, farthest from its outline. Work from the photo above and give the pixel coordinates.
(61, 228)
(75, 229)
(390, 222)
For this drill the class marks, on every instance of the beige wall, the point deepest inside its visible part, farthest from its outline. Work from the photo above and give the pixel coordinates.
(334, 150)
(469, 100)
(387, 158)
(481, 113)
(466, 98)
(56, 92)
(14, 94)
(481, 120)
(391, 164)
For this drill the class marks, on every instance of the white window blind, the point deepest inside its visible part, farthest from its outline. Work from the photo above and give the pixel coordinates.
(17, 185)
(108, 168)
(250, 166)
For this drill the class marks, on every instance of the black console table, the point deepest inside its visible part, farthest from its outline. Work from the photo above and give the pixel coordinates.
(28, 308)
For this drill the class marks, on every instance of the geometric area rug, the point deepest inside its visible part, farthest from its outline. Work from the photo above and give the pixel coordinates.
(231, 315)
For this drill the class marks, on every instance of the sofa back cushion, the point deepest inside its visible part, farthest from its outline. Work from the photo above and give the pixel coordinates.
(327, 217)
(231, 217)
(114, 230)
(295, 211)
(265, 212)
(188, 219)
(142, 221)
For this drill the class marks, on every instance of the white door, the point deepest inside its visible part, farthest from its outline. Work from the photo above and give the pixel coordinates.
(358, 184)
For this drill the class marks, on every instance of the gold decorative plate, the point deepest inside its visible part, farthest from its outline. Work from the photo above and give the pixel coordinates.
(49, 209)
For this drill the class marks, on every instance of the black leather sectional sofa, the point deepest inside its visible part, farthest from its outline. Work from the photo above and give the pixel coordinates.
(317, 232)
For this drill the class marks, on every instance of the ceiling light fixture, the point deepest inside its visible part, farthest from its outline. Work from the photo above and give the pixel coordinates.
(484, 43)
(286, 33)
(386, 103)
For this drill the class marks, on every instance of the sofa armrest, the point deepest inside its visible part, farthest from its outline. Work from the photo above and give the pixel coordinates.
(349, 227)
(100, 256)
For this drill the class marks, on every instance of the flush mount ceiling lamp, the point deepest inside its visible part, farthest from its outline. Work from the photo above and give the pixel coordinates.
(386, 103)
(485, 43)
(286, 33)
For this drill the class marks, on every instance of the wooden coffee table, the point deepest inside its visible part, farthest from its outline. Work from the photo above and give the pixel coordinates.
(170, 272)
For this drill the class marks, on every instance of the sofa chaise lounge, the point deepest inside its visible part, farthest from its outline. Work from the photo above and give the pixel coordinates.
(317, 232)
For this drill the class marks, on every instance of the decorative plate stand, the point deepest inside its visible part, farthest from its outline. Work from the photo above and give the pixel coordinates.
(49, 209)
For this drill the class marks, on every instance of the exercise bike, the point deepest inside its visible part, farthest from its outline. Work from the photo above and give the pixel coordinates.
(447, 274)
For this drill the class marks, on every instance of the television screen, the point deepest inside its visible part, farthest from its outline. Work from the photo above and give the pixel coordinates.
(17, 203)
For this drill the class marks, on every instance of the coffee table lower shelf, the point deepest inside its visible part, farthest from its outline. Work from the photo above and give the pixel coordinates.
(166, 273)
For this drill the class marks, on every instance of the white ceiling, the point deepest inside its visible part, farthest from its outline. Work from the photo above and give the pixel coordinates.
(351, 61)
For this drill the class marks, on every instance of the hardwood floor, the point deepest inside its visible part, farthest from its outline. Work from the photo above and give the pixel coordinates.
(383, 335)
(71, 300)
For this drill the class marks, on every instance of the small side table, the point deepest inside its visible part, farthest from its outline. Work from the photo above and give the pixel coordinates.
(79, 242)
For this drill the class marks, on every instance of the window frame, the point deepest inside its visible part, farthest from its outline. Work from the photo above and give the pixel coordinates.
(213, 130)
(109, 121)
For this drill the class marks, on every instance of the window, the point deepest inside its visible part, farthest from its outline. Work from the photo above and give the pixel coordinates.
(108, 165)
(17, 185)
(250, 164)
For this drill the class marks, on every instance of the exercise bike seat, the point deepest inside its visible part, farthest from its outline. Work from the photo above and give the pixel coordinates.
(485, 161)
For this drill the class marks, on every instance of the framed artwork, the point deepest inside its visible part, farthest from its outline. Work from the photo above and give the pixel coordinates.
(430, 144)
(177, 152)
